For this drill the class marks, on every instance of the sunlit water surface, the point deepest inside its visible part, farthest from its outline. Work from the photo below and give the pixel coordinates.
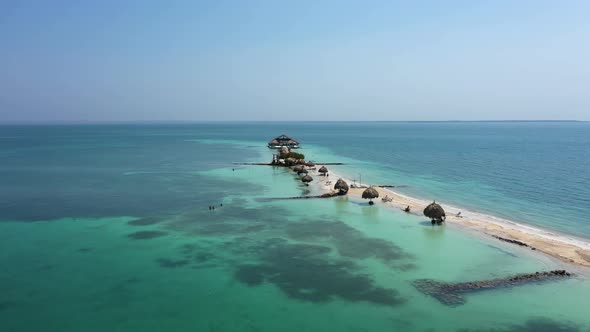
(107, 228)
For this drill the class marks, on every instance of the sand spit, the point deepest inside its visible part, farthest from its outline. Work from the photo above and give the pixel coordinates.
(563, 247)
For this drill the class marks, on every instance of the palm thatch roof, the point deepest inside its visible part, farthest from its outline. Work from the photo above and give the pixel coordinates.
(284, 138)
(298, 168)
(310, 164)
(306, 179)
(435, 212)
(323, 169)
(370, 193)
(302, 171)
(341, 186)
(283, 141)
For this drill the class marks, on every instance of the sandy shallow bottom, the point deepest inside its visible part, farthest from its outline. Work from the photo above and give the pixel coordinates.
(565, 248)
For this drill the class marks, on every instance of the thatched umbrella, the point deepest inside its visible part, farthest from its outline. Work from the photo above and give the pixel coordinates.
(370, 193)
(341, 186)
(435, 212)
(323, 170)
(298, 168)
(310, 164)
(306, 179)
(302, 171)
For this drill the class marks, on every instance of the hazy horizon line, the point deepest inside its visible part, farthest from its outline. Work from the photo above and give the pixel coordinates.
(131, 122)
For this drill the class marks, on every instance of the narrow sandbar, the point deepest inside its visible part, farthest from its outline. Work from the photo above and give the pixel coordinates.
(566, 248)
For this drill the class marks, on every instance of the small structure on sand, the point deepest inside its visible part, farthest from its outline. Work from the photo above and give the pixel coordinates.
(341, 186)
(283, 141)
(435, 212)
(298, 168)
(370, 193)
(323, 170)
(302, 171)
(306, 179)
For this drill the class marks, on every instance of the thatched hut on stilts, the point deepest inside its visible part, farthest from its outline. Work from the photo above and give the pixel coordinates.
(370, 194)
(435, 212)
(341, 186)
(306, 179)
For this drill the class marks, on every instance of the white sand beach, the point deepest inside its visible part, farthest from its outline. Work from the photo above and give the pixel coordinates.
(563, 247)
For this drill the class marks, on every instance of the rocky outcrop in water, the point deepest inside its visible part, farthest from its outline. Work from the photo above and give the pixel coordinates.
(451, 293)
(522, 244)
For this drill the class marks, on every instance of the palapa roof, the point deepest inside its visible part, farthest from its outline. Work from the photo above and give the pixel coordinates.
(302, 171)
(323, 169)
(434, 211)
(306, 179)
(310, 164)
(283, 139)
(370, 193)
(298, 168)
(341, 186)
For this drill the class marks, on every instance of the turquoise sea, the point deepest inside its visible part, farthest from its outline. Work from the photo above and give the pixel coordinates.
(107, 227)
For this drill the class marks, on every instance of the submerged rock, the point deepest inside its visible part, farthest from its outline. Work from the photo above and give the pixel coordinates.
(450, 293)
(520, 243)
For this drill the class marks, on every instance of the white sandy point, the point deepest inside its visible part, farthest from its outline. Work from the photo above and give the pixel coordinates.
(566, 248)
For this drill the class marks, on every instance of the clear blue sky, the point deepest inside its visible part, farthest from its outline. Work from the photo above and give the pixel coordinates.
(293, 60)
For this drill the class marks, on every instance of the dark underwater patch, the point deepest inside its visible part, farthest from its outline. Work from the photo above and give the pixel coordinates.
(202, 257)
(145, 221)
(6, 305)
(46, 267)
(406, 267)
(307, 272)
(132, 280)
(145, 235)
(203, 266)
(188, 249)
(251, 275)
(534, 325)
(170, 263)
(85, 249)
(349, 241)
(226, 220)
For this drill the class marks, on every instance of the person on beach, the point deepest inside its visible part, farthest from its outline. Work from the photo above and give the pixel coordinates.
(407, 209)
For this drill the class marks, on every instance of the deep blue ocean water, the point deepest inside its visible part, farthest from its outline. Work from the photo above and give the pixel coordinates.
(106, 227)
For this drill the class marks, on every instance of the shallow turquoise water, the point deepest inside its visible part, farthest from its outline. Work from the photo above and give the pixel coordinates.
(107, 228)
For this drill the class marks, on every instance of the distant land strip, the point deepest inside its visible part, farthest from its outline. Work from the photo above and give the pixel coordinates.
(269, 164)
